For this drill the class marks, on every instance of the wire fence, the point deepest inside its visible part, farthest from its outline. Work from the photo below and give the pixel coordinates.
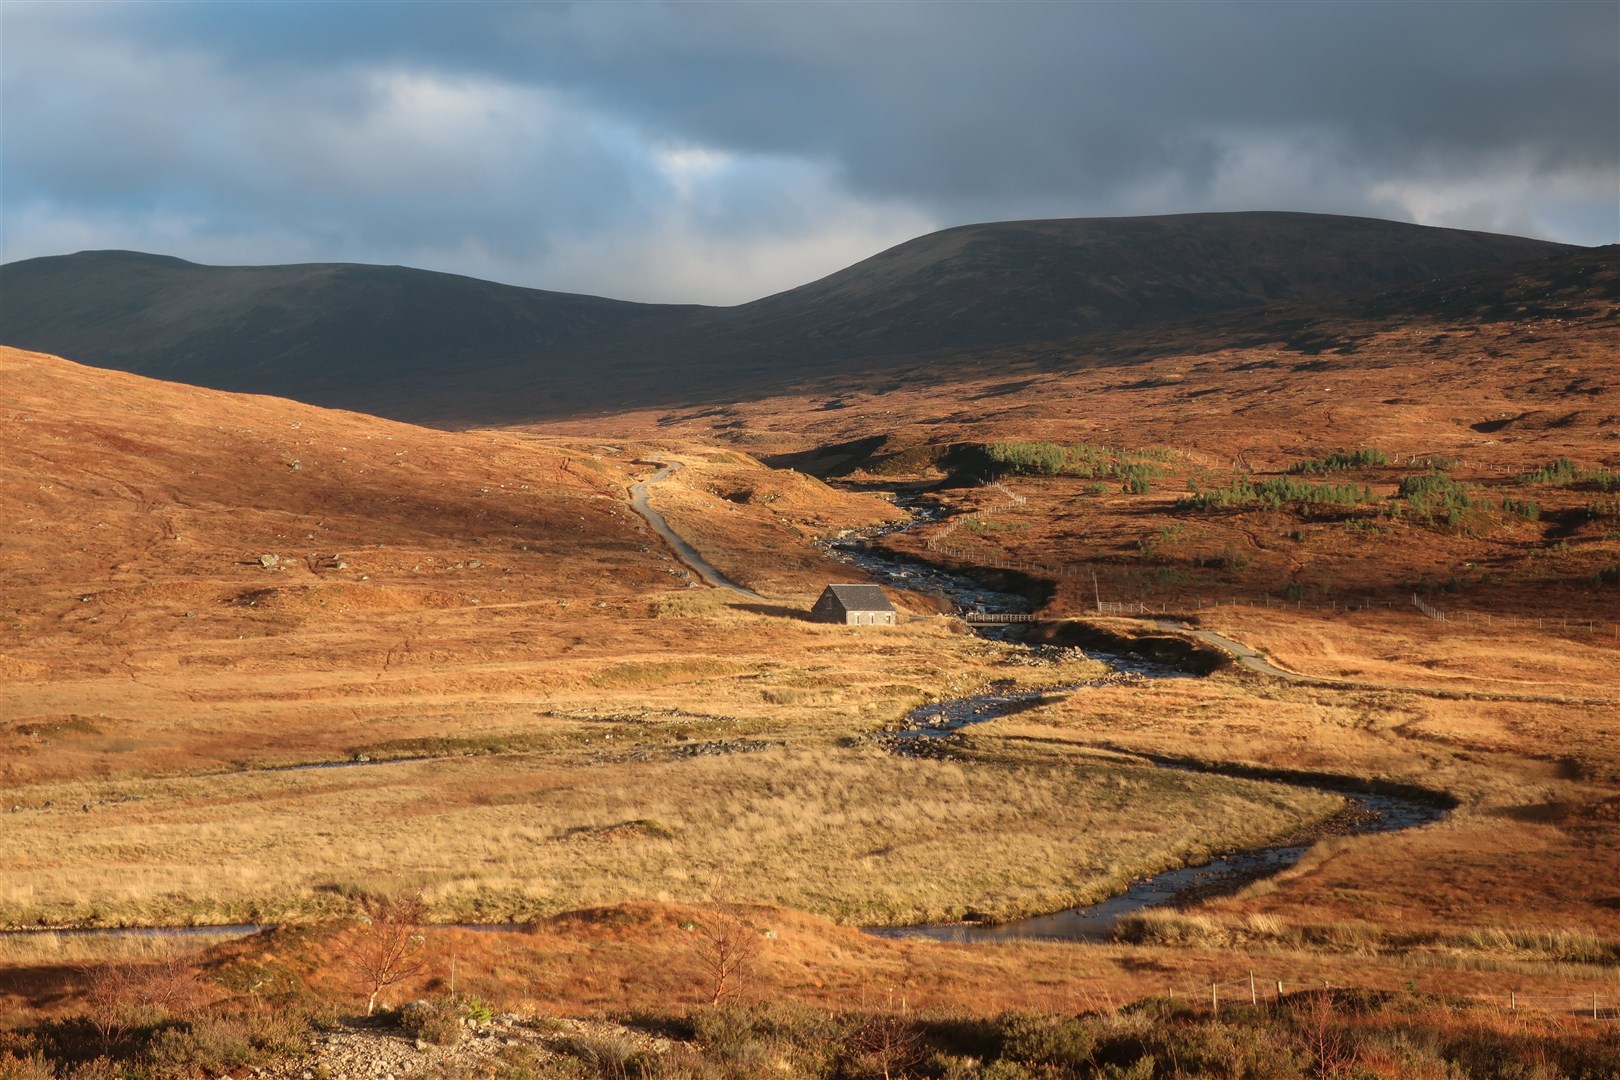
(1253, 990)
(936, 540)
(1190, 603)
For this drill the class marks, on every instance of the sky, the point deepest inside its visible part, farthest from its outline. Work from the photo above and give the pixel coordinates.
(718, 152)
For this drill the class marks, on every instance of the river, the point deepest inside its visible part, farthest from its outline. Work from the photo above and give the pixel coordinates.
(1365, 812)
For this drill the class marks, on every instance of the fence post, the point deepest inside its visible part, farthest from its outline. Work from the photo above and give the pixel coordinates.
(1254, 998)
(1279, 990)
(1215, 1006)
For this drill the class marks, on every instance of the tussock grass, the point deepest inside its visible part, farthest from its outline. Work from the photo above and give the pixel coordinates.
(641, 674)
(1538, 949)
(854, 833)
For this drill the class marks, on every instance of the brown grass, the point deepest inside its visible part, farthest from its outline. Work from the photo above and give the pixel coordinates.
(855, 834)
(639, 957)
(559, 708)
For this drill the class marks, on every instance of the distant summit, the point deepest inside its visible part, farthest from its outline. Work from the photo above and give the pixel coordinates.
(419, 345)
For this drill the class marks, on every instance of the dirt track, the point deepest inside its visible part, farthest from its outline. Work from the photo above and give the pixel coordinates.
(688, 554)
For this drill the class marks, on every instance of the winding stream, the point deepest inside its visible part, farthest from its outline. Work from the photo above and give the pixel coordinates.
(1366, 813)
(923, 726)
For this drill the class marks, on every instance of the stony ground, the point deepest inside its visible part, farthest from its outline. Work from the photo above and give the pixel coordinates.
(503, 1045)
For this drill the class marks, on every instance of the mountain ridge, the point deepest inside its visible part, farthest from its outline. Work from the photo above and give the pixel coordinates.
(425, 345)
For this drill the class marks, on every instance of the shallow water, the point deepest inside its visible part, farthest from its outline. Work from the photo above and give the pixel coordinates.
(1095, 922)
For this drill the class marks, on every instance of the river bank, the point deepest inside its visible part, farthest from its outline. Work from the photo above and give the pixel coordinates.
(927, 729)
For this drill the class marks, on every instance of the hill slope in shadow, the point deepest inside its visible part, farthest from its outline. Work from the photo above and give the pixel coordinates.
(419, 345)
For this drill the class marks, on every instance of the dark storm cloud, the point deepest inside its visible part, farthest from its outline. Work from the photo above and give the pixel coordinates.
(1113, 90)
(508, 128)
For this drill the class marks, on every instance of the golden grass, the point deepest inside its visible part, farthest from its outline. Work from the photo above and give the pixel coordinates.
(1499, 948)
(856, 834)
(1534, 843)
(557, 683)
(636, 957)
(80, 950)
(1400, 647)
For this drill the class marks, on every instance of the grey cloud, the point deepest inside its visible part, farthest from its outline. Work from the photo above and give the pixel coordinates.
(261, 118)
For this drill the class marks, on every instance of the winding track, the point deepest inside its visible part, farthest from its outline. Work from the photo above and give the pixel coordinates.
(687, 553)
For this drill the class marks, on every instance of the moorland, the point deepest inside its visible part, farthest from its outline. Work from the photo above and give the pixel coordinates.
(268, 662)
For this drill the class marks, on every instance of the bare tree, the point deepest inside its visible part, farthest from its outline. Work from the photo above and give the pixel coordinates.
(1323, 1038)
(888, 1043)
(726, 946)
(122, 994)
(172, 987)
(389, 947)
(110, 998)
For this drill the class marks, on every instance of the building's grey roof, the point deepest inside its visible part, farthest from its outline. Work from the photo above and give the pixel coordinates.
(861, 597)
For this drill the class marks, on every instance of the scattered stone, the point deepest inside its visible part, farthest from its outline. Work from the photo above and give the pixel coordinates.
(270, 562)
(473, 564)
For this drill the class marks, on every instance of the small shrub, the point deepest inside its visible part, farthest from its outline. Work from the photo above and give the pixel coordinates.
(1274, 493)
(724, 1031)
(1133, 469)
(216, 1045)
(1166, 926)
(1229, 559)
(1036, 1039)
(953, 1067)
(437, 1021)
(475, 1008)
(32, 1067)
(212, 1046)
(1609, 575)
(885, 1045)
(100, 1068)
(1341, 459)
(1144, 1068)
(1562, 471)
(610, 1054)
(747, 1037)
(1159, 1008)
(1006, 1070)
